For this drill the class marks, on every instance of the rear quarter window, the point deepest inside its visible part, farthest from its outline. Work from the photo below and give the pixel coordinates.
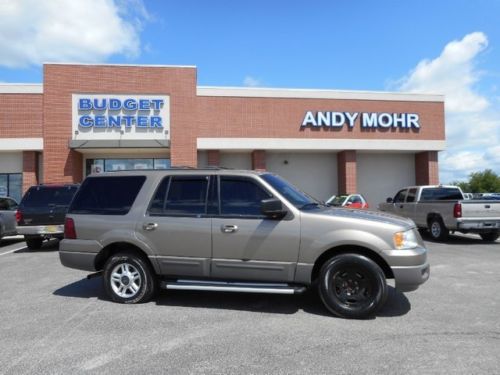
(42, 196)
(112, 195)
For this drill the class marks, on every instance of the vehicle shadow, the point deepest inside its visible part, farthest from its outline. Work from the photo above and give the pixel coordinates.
(48, 246)
(397, 304)
(84, 288)
(6, 241)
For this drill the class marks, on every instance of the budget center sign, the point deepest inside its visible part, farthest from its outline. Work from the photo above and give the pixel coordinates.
(122, 117)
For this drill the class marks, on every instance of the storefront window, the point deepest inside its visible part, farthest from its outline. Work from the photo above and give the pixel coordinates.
(109, 165)
(11, 185)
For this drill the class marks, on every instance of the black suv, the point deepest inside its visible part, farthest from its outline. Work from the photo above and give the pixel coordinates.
(41, 213)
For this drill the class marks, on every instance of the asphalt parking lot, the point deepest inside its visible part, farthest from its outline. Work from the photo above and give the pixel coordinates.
(53, 320)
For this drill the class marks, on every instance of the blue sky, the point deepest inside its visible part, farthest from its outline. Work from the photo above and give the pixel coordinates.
(450, 47)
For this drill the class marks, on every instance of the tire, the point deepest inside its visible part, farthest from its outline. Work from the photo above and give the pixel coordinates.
(34, 243)
(128, 278)
(437, 229)
(490, 237)
(352, 286)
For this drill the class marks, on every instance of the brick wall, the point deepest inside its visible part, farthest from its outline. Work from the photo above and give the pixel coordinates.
(347, 172)
(282, 118)
(426, 168)
(213, 158)
(30, 177)
(259, 160)
(21, 115)
(60, 81)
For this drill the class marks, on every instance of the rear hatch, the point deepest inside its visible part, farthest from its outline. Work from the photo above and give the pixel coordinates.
(481, 209)
(46, 204)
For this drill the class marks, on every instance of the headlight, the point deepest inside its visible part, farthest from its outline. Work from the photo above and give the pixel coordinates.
(405, 240)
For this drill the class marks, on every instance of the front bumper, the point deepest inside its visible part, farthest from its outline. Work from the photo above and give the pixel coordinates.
(410, 278)
(409, 267)
(41, 230)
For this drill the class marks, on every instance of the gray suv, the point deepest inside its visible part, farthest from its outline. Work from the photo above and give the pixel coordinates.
(236, 231)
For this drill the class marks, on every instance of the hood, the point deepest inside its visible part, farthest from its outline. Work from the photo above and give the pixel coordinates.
(381, 217)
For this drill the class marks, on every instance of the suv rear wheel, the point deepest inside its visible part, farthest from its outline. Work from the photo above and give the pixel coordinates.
(352, 286)
(128, 278)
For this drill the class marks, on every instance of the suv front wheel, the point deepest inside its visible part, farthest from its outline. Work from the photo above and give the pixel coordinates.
(352, 286)
(128, 278)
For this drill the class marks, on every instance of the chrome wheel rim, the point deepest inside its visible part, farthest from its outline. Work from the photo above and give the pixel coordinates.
(125, 280)
(435, 229)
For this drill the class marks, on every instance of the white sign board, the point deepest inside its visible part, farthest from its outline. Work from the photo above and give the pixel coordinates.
(120, 117)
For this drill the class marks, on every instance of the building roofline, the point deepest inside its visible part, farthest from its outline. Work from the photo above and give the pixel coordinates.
(124, 65)
(21, 88)
(268, 92)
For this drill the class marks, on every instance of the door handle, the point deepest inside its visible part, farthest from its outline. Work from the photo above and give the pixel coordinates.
(149, 226)
(229, 228)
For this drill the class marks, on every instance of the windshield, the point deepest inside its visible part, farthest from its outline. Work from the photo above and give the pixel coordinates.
(296, 197)
(337, 201)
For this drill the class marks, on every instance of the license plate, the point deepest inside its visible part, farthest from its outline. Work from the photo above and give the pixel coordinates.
(51, 228)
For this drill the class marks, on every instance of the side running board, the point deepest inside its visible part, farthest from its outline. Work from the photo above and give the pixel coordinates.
(223, 286)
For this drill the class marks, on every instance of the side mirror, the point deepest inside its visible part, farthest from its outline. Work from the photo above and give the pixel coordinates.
(272, 208)
(348, 203)
(389, 200)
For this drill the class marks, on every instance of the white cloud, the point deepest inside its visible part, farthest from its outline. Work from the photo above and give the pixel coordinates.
(472, 125)
(34, 31)
(250, 81)
(453, 74)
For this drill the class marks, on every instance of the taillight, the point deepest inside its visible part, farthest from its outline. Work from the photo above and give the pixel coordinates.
(457, 210)
(19, 217)
(69, 229)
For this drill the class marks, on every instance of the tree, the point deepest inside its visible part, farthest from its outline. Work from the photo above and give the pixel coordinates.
(481, 182)
(464, 185)
(484, 182)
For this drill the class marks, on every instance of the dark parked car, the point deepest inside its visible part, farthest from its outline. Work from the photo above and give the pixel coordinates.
(42, 211)
(8, 207)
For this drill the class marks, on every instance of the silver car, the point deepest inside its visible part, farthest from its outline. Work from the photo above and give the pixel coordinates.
(236, 231)
(8, 207)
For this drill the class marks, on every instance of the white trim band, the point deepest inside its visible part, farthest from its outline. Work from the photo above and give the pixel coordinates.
(21, 88)
(319, 144)
(21, 144)
(253, 92)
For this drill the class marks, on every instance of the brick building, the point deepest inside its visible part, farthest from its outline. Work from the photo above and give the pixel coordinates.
(90, 118)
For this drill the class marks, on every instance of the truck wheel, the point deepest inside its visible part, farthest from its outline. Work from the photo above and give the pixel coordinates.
(352, 286)
(128, 278)
(34, 243)
(490, 237)
(437, 229)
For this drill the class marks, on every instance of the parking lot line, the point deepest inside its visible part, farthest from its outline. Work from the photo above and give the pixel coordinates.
(12, 250)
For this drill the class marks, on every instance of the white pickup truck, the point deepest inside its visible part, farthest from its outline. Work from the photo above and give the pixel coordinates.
(442, 209)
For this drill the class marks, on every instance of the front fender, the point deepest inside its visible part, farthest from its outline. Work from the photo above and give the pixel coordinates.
(311, 250)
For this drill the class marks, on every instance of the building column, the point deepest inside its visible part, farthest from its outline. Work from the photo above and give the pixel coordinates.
(213, 158)
(426, 168)
(30, 166)
(259, 160)
(346, 169)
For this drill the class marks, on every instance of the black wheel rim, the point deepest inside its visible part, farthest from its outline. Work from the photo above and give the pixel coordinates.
(352, 287)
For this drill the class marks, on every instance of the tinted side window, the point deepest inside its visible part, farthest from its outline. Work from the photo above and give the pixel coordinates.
(186, 195)
(400, 196)
(412, 193)
(179, 196)
(107, 195)
(4, 204)
(241, 197)
(440, 194)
